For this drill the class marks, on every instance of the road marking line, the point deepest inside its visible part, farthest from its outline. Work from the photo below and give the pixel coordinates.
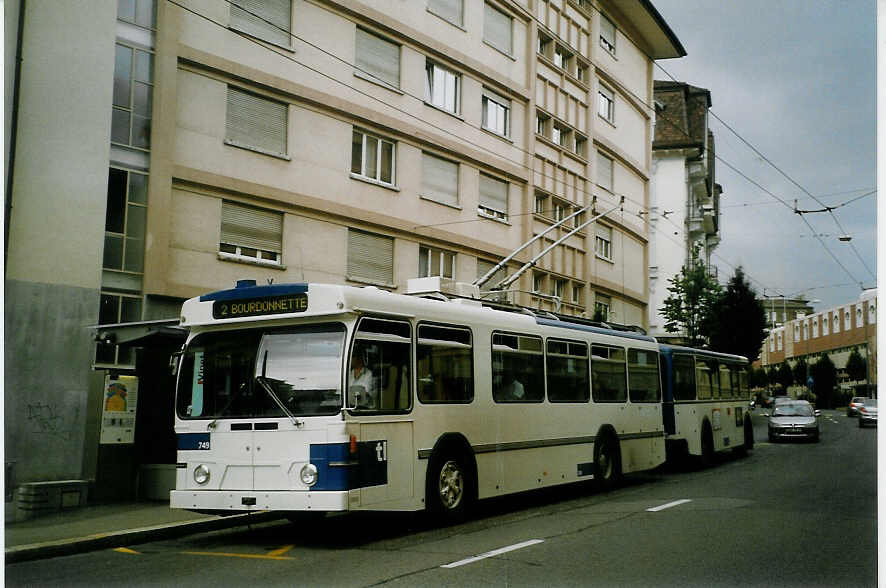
(126, 550)
(243, 555)
(668, 505)
(283, 550)
(493, 553)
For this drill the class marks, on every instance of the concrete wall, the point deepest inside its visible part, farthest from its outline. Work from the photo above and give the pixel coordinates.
(53, 270)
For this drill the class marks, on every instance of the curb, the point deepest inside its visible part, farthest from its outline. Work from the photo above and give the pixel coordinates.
(47, 549)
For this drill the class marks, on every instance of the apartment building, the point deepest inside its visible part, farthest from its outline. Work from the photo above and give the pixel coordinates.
(835, 332)
(684, 212)
(197, 142)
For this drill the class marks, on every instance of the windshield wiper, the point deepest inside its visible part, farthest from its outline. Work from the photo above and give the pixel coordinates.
(263, 382)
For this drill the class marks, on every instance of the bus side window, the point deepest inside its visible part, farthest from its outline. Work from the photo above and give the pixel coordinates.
(379, 366)
(518, 369)
(609, 374)
(445, 364)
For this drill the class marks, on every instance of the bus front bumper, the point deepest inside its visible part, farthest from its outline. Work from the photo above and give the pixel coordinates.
(246, 501)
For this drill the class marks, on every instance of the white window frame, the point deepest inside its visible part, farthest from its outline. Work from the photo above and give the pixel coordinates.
(541, 203)
(608, 34)
(542, 123)
(606, 104)
(558, 287)
(576, 293)
(435, 262)
(366, 138)
(603, 242)
(496, 113)
(442, 87)
(835, 322)
(580, 145)
(604, 303)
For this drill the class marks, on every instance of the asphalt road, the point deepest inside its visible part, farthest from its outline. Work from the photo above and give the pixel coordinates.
(789, 514)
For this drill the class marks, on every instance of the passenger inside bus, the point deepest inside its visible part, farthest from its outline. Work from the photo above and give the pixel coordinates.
(362, 388)
(512, 389)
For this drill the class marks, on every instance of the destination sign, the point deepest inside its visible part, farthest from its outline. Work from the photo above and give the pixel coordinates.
(289, 303)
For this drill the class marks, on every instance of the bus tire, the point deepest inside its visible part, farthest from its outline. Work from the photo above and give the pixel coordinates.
(449, 491)
(707, 444)
(748, 434)
(607, 461)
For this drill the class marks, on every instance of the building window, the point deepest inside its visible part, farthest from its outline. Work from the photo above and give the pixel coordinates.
(859, 318)
(133, 97)
(256, 123)
(439, 179)
(493, 201)
(250, 233)
(562, 58)
(847, 320)
(378, 58)
(538, 282)
(117, 308)
(824, 326)
(442, 87)
(541, 203)
(606, 104)
(602, 306)
(835, 322)
(370, 258)
(142, 13)
(581, 145)
(581, 72)
(560, 209)
(435, 262)
(497, 29)
(269, 20)
(872, 313)
(542, 121)
(603, 241)
(484, 267)
(796, 333)
(561, 135)
(450, 10)
(607, 34)
(558, 288)
(544, 45)
(496, 113)
(604, 172)
(125, 221)
(373, 158)
(576, 293)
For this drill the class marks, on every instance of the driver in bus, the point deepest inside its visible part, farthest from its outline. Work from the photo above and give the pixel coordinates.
(361, 383)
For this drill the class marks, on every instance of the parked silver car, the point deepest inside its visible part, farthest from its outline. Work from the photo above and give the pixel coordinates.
(854, 404)
(867, 414)
(794, 420)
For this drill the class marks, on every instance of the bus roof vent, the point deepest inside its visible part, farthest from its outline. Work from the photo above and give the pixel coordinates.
(438, 285)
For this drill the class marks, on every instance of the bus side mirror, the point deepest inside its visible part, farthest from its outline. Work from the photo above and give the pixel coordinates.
(174, 362)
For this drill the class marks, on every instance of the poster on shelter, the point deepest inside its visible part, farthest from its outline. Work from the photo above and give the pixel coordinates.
(118, 410)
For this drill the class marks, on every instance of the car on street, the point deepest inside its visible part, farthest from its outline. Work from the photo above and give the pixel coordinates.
(867, 414)
(854, 404)
(793, 420)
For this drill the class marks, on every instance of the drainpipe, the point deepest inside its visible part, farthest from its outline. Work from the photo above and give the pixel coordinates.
(13, 130)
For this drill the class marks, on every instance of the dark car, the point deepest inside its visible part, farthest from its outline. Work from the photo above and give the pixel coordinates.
(794, 420)
(867, 414)
(854, 404)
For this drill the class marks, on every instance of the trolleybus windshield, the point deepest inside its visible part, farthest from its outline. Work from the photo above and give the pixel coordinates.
(301, 367)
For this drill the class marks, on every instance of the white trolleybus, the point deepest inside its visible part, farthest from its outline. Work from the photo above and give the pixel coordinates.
(705, 400)
(311, 397)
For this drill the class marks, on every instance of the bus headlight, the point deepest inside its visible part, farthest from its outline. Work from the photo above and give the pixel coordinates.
(309, 474)
(201, 474)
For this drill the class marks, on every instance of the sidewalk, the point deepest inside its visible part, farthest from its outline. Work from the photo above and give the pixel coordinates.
(110, 525)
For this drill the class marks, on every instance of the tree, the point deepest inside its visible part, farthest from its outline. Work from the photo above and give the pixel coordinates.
(856, 366)
(785, 376)
(801, 371)
(692, 297)
(824, 375)
(739, 320)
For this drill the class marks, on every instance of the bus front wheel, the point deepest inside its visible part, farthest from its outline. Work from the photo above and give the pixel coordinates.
(448, 493)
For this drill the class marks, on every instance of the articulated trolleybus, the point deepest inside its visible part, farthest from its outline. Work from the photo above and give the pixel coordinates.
(311, 397)
(705, 402)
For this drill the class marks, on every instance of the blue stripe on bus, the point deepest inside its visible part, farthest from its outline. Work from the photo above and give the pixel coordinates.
(255, 292)
(337, 469)
(335, 477)
(189, 441)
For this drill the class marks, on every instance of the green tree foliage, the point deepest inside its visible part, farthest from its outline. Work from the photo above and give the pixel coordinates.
(825, 376)
(801, 371)
(772, 375)
(739, 320)
(856, 366)
(692, 298)
(785, 376)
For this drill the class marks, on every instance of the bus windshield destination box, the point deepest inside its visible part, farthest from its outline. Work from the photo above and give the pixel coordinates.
(222, 309)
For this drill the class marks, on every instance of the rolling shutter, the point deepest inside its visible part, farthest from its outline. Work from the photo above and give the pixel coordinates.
(604, 171)
(493, 193)
(378, 57)
(246, 226)
(370, 257)
(440, 179)
(256, 122)
(449, 9)
(270, 20)
(497, 29)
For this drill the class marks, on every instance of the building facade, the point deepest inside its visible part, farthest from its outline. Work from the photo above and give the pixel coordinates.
(343, 141)
(684, 212)
(835, 332)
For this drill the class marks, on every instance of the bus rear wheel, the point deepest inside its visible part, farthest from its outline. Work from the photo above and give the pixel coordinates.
(449, 488)
(607, 463)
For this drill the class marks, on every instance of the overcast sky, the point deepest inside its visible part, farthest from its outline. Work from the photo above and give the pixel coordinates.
(795, 79)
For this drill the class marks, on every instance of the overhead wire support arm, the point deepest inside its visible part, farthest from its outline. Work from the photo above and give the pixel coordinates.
(508, 281)
(485, 278)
